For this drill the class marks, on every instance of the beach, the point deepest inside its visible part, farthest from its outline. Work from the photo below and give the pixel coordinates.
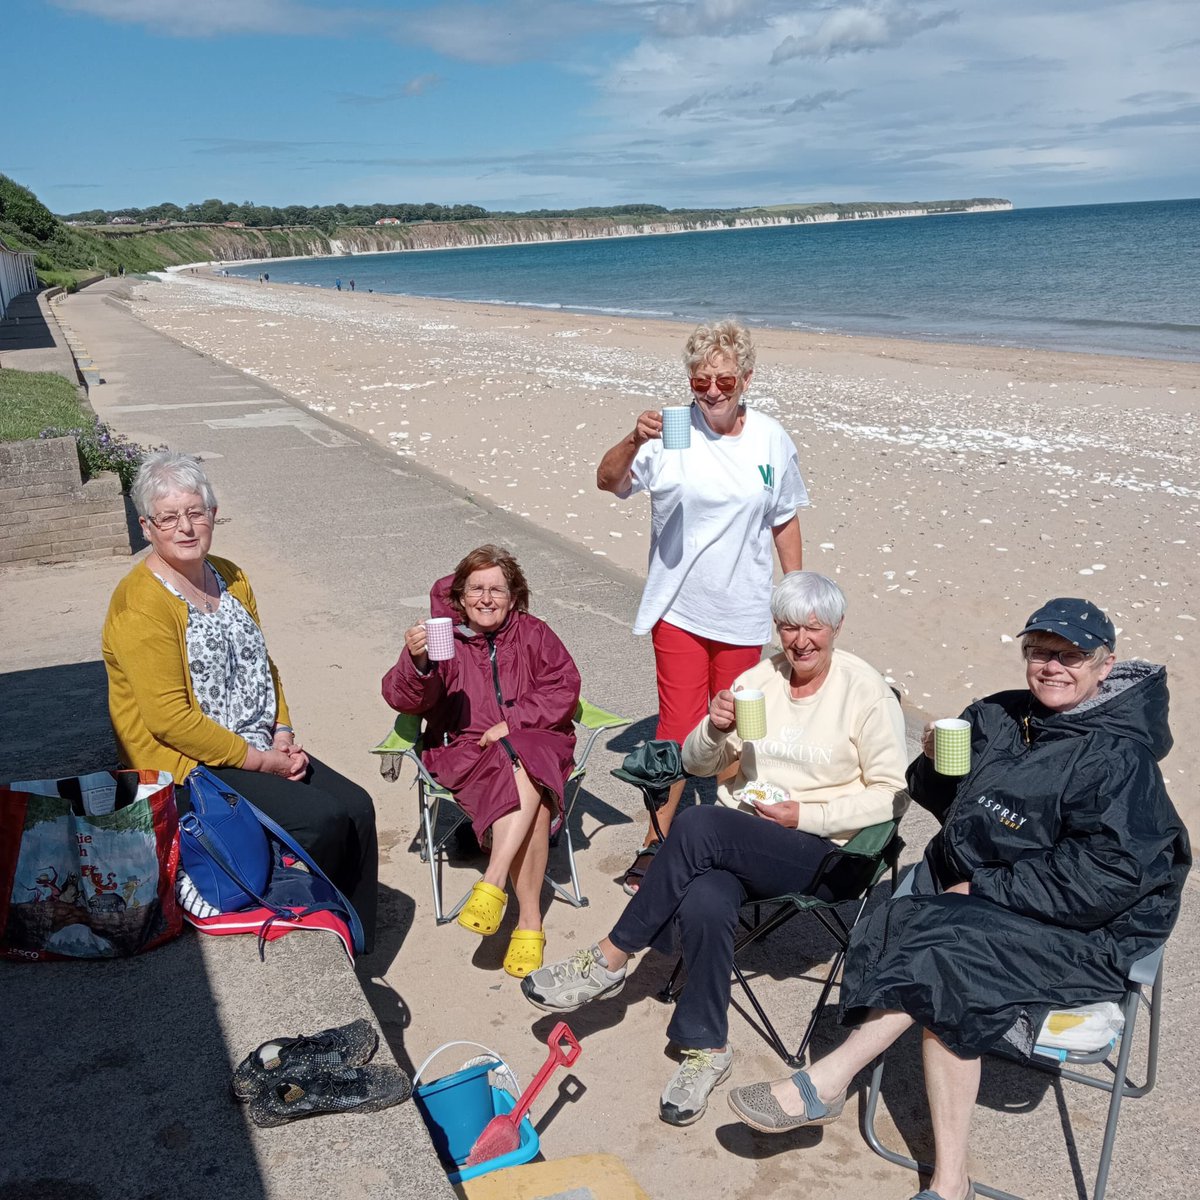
(954, 488)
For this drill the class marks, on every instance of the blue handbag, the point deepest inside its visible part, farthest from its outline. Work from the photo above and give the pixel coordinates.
(254, 872)
(223, 846)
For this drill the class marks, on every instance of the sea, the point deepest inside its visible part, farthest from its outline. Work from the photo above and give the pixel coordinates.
(1103, 278)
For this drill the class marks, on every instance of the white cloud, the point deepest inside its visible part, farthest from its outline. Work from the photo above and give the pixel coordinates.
(205, 18)
(852, 29)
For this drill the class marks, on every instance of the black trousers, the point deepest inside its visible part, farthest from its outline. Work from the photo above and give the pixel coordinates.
(715, 859)
(332, 818)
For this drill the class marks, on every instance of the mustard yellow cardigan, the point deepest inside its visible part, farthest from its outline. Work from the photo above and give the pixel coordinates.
(154, 712)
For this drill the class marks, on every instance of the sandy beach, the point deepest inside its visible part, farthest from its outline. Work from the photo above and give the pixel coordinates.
(954, 488)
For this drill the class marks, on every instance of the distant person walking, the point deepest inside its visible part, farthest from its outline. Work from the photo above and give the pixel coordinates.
(337, 283)
(266, 277)
(352, 285)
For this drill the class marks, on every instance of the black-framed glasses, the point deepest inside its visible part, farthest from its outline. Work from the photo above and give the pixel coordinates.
(166, 522)
(1069, 658)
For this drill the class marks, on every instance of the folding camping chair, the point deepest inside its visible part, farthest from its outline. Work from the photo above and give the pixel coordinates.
(404, 741)
(1147, 971)
(853, 870)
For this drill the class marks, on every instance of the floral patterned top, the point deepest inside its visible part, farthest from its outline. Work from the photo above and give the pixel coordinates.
(229, 669)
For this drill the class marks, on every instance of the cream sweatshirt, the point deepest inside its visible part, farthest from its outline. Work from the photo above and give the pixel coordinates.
(840, 753)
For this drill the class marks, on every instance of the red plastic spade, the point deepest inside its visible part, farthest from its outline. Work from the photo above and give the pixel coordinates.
(502, 1134)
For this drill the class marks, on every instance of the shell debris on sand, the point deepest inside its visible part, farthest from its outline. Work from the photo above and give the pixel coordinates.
(917, 459)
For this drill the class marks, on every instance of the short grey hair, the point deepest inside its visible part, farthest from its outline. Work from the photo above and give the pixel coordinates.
(725, 337)
(805, 594)
(167, 471)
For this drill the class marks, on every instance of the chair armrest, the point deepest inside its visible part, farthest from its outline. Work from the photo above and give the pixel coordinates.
(591, 716)
(1146, 969)
(405, 735)
(872, 841)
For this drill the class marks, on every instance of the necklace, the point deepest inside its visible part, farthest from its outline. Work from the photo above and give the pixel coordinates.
(205, 601)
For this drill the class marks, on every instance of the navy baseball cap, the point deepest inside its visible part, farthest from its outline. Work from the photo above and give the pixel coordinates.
(1079, 621)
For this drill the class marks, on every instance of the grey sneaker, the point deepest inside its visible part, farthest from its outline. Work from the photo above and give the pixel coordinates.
(570, 984)
(686, 1095)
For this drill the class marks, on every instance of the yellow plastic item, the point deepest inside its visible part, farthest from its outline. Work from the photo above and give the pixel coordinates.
(597, 1176)
(484, 909)
(525, 950)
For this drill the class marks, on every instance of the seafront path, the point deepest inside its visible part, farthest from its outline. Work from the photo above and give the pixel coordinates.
(341, 540)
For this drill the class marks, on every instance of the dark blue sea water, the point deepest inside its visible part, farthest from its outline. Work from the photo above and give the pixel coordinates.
(1106, 278)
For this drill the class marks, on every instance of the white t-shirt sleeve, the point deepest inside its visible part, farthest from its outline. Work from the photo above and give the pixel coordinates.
(790, 492)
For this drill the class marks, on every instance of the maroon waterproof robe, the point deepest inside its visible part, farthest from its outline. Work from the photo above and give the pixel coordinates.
(521, 674)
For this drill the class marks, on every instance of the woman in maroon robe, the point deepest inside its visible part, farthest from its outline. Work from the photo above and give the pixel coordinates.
(498, 733)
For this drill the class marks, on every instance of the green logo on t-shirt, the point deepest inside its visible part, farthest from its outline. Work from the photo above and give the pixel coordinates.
(768, 475)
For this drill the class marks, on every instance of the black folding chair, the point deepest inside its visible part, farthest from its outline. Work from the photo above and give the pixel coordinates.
(851, 871)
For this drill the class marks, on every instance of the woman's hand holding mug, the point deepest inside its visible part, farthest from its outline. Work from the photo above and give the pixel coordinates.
(722, 713)
(417, 644)
(649, 426)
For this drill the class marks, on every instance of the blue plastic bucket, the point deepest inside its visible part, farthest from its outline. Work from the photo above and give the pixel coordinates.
(456, 1108)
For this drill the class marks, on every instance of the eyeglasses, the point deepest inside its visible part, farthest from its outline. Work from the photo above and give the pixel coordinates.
(492, 593)
(1068, 658)
(166, 522)
(726, 384)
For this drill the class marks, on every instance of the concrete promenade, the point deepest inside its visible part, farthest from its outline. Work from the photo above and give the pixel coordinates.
(341, 540)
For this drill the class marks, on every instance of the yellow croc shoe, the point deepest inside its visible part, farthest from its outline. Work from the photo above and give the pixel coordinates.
(484, 909)
(525, 949)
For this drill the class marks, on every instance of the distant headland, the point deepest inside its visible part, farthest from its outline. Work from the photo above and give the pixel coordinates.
(76, 246)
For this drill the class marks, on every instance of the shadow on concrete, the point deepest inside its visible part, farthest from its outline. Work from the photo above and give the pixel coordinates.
(24, 328)
(396, 913)
(137, 539)
(128, 1054)
(129, 1057)
(55, 722)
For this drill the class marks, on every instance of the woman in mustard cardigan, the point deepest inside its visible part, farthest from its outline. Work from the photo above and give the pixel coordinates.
(190, 681)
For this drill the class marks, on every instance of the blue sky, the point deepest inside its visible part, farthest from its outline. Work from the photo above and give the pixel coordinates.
(518, 104)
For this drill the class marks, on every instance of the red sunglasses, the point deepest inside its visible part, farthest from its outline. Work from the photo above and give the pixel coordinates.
(726, 384)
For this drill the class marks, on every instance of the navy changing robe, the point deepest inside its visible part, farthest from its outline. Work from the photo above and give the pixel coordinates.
(1076, 860)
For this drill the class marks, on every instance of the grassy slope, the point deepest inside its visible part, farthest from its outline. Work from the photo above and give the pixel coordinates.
(31, 402)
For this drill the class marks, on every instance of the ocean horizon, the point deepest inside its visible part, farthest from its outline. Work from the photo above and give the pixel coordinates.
(1115, 279)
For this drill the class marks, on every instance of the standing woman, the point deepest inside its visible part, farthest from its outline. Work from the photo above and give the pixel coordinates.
(190, 681)
(716, 508)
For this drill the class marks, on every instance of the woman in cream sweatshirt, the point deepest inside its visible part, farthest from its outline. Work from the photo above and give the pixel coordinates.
(831, 763)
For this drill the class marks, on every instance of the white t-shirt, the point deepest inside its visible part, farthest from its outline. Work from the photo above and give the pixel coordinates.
(712, 509)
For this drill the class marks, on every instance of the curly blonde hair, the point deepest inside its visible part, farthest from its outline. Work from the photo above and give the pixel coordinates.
(725, 337)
